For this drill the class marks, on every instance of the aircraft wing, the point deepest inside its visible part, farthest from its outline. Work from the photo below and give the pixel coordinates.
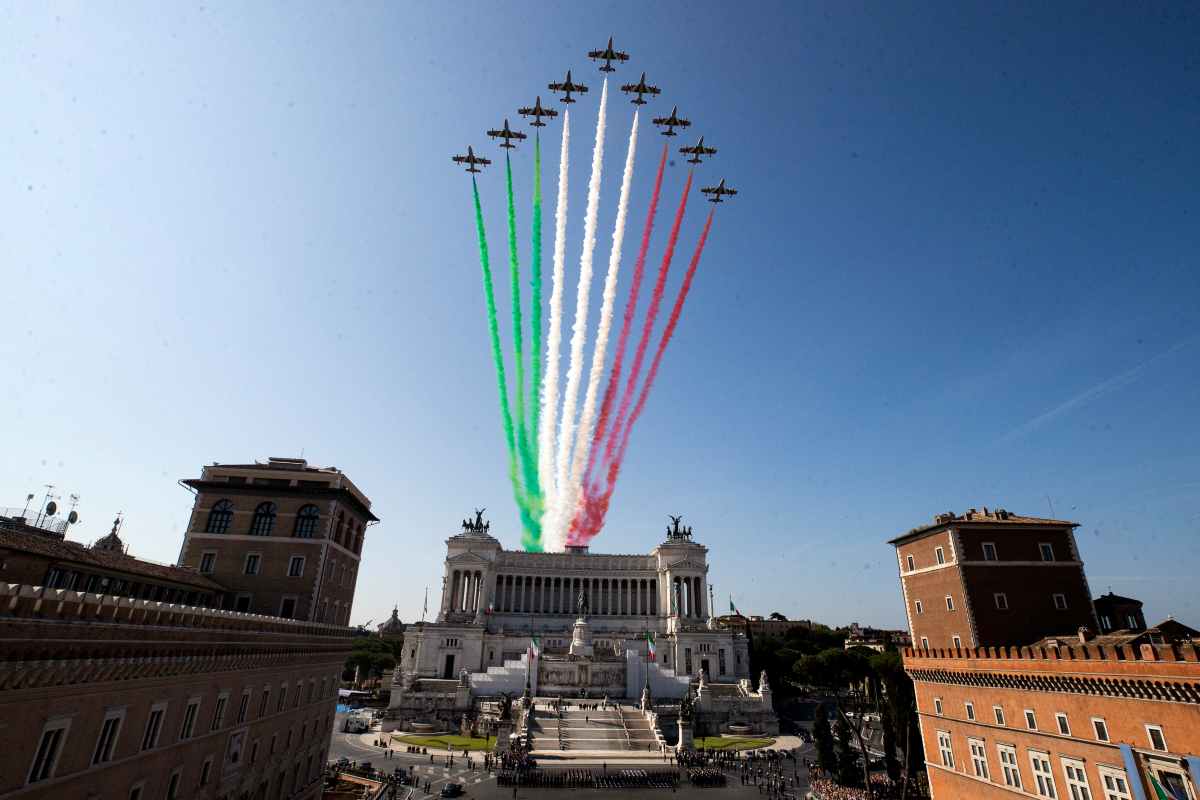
(731, 191)
(621, 56)
(482, 160)
(557, 87)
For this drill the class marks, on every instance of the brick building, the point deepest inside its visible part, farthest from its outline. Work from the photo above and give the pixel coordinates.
(131, 680)
(991, 578)
(283, 538)
(114, 697)
(1016, 694)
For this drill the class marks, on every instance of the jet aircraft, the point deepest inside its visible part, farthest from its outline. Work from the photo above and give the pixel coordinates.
(537, 112)
(568, 87)
(697, 151)
(608, 55)
(640, 88)
(672, 122)
(717, 191)
(507, 134)
(470, 159)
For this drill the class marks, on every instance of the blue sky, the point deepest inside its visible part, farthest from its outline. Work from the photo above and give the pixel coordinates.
(962, 271)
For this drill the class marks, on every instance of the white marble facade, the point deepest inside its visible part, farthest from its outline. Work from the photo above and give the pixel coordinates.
(493, 600)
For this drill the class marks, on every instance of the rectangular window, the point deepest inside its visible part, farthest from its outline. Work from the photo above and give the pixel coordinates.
(153, 726)
(252, 562)
(1008, 765)
(219, 712)
(189, 718)
(920, 607)
(242, 603)
(924, 642)
(253, 752)
(949, 603)
(1042, 776)
(135, 791)
(45, 760)
(978, 758)
(1116, 785)
(941, 555)
(937, 706)
(205, 769)
(1047, 551)
(296, 567)
(208, 561)
(107, 739)
(242, 706)
(1101, 729)
(971, 711)
(287, 607)
(945, 750)
(1060, 601)
(1077, 782)
(299, 688)
(989, 551)
(911, 563)
(1132, 622)
(1001, 601)
(721, 660)
(282, 698)
(1157, 740)
(1064, 727)
(998, 713)
(1030, 720)
(957, 643)
(173, 785)
(1105, 623)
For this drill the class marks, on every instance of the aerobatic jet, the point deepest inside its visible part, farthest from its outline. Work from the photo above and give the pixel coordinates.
(568, 87)
(640, 88)
(608, 55)
(717, 191)
(470, 159)
(537, 112)
(697, 151)
(672, 122)
(507, 134)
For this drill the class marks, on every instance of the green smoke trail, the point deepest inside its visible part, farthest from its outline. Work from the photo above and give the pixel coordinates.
(531, 542)
(526, 459)
(535, 342)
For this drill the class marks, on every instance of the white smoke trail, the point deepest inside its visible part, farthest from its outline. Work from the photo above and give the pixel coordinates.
(583, 436)
(556, 539)
(549, 389)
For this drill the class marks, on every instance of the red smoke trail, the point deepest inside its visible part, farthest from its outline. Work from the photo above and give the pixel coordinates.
(594, 503)
(647, 327)
(635, 287)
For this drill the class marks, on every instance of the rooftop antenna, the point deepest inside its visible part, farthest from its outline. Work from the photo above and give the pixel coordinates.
(25, 511)
(47, 509)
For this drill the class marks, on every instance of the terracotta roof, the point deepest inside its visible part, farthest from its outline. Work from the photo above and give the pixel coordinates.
(1166, 632)
(74, 552)
(986, 518)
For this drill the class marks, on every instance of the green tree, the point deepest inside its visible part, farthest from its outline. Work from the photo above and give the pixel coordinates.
(847, 758)
(823, 738)
(371, 656)
(889, 742)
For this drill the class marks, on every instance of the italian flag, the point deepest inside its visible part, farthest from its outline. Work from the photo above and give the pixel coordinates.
(650, 649)
(732, 607)
(535, 648)
(1161, 793)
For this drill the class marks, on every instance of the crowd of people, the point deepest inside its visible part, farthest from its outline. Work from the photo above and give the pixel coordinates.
(881, 788)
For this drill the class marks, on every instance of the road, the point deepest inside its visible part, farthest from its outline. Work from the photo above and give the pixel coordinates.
(479, 785)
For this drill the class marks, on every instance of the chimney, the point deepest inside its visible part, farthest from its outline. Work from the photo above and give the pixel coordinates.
(1085, 634)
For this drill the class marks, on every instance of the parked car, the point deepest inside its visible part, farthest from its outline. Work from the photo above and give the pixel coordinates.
(452, 790)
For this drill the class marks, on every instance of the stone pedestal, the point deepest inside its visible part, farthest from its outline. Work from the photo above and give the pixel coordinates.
(686, 742)
(581, 639)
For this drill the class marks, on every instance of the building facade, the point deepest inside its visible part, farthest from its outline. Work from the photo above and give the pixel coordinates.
(1080, 720)
(113, 697)
(1016, 693)
(992, 578)
(283, 538)
(572, 624)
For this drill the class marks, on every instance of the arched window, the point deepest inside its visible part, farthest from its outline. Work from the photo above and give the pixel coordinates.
(337, 533)
(306, 522)
(264, 519)
(220, 517)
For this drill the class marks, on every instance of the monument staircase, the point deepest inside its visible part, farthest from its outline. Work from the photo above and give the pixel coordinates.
(621, 729)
